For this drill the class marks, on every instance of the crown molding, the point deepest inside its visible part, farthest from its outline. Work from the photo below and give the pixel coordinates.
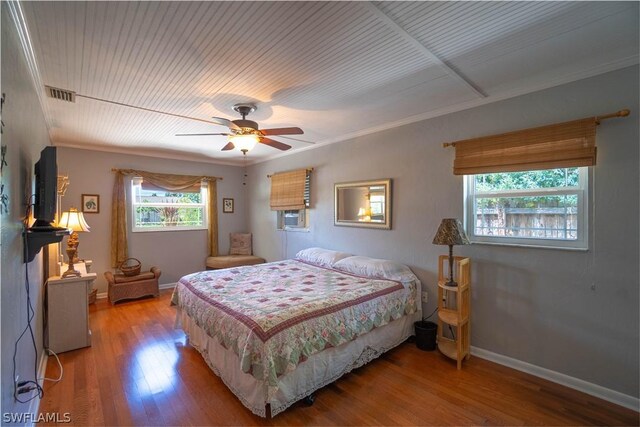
(17, 15)
(568, 78)
(22, 30)
(150, 153)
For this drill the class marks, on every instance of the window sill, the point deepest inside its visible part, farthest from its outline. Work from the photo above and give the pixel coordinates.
(162, 230)
(295, 230)
(522, 245)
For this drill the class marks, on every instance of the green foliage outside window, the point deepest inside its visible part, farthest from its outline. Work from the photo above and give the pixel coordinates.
(169, 216)
(529, 180)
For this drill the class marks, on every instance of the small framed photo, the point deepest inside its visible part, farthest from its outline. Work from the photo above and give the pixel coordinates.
(90, 203)
(227, 205)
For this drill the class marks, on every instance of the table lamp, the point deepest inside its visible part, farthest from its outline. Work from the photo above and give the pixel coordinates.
(450, 233)
(74, 221)
(364, 214)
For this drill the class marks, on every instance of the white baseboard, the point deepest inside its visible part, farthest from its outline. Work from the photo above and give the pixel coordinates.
(34, 405)
(556, 377)
(168, 286)
(101, 295)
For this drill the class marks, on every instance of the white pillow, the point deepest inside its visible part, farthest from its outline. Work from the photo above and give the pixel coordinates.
(321, 257)
(377, 268)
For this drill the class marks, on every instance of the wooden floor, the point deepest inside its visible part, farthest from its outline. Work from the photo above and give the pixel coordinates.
(140, 371)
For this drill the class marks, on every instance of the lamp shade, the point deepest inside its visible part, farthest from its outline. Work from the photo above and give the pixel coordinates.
(73, 220)
(450, 232)
(244, 142)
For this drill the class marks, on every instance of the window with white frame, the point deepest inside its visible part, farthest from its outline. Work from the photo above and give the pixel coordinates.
(546, 208)
(158, 209)
(376, 202)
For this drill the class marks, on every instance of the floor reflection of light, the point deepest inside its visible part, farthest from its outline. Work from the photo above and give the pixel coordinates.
(155, 368)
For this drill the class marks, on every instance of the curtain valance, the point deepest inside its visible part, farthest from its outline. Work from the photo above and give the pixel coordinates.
(288, 190)
(119, 250)
(168, 181)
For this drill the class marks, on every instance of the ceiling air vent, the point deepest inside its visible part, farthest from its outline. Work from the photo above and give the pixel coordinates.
(61, 94)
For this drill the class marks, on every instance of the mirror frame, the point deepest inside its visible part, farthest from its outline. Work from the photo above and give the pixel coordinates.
(387, 206)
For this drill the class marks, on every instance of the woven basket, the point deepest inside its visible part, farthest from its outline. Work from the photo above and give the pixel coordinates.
(131, 270)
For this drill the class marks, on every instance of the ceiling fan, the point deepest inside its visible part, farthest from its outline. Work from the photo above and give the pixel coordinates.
(245, 134)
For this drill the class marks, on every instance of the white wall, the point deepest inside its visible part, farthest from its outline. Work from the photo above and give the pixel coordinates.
(25, 134)
(176, 253)
(570, 312)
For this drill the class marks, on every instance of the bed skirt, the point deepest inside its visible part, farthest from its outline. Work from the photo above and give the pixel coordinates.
(317, 371)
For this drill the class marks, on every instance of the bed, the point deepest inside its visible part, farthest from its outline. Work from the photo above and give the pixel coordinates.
(276, 332)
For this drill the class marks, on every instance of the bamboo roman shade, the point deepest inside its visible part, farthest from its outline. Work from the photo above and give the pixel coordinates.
(288, 190)
(562, 145)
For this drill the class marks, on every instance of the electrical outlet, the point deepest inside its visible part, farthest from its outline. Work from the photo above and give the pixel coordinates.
(425, 297)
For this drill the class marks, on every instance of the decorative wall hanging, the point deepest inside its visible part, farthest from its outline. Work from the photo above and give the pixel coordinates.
(1, 122)
(90, 203)
(227, 205)
(4, 198)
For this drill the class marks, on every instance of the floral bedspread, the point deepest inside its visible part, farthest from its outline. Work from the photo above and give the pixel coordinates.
(275, 315)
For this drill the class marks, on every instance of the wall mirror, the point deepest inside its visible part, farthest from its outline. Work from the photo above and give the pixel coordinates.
(363, 204)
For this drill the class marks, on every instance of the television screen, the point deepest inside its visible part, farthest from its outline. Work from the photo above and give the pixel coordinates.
(46, 171)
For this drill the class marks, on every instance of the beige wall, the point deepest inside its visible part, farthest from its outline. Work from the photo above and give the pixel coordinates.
(176, 253)
(571, 312)
(25, 135)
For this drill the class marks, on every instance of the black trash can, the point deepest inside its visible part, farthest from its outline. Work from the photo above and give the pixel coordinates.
(426, 335)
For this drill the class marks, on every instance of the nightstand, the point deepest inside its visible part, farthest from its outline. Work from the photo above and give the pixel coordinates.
(67, 315)
(84, 267)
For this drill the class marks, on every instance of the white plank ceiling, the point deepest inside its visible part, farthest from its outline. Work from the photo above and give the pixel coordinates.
(335, 69)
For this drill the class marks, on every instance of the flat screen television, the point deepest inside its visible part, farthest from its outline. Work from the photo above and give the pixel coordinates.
(46, 171)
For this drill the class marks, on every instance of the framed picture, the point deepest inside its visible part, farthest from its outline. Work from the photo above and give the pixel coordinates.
(90, 203)
(227, 205)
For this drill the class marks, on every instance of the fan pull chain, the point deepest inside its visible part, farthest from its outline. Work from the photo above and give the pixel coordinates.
(244, 179)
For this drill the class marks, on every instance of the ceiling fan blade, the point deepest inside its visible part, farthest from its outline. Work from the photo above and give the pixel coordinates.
(274, 144)
(228, 147)
(201, 134)
(282, 131)
(225, 122)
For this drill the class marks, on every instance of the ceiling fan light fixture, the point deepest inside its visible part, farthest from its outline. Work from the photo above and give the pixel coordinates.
(244, 143)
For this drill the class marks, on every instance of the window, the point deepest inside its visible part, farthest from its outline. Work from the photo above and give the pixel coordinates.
(157, 209)
(297, 219)
(544, 208)
(376, 202)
